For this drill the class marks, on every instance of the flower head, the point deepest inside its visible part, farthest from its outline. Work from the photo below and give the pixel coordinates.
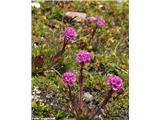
(70, 33)
(69, 78)
(83, 57)
(91, 19)
(100, 21)
(115, 82)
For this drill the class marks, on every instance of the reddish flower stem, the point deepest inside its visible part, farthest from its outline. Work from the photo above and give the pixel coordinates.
(102, 104)
(71, 99)
(70, 93)
(55, 58)
(81, 86)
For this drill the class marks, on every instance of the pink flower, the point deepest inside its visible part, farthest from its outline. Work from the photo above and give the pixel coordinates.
(83, 57)
(100, 21)
(70, 33)
(115, 82)
(91, 19)
(69, 78)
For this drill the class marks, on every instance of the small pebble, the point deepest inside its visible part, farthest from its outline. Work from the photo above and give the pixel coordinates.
(78, 16)
(88, 96)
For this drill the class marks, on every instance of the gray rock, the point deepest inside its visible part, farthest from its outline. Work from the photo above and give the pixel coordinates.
(88, 96)
(78, 16)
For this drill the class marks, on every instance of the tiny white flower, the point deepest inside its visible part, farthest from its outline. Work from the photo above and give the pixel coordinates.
(33, 96)
(100, 6)
(51, 104)
(35, 4)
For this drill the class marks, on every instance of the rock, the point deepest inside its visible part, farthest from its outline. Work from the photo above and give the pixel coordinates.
(35, 4)
(103, 112)
(88, 96)
(100, 117)
(77, 16)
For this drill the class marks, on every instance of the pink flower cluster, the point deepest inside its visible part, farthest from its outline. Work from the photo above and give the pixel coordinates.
(70, 33)
(91, 19)
(115, 82)
(83, 57)
(98, 20)
(69, 78)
